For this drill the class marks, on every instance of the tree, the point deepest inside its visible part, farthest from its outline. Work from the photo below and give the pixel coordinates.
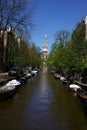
(57, 56)
(62, 37)
(80, 45)
(16, 14)
(70, 54)
(35, 53)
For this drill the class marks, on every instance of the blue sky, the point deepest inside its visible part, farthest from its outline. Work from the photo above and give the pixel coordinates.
(55, 15)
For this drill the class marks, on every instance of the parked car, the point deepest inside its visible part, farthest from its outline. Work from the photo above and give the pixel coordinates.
(15, 72)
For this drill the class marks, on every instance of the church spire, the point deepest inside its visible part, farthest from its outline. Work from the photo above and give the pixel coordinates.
(45, 49)
(45, 45)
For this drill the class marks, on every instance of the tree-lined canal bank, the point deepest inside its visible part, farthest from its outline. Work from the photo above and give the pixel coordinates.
(43, 103)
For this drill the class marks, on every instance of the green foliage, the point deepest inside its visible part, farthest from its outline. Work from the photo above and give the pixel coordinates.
(57, 56)
(22, 56)
(70, 54)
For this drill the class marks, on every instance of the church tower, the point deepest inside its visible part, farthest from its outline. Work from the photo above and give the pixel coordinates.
(45, 50)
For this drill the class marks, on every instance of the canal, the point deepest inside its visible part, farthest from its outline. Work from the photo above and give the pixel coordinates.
(43, 103)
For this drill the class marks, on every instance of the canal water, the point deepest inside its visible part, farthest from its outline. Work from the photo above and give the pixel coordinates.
(43, 103)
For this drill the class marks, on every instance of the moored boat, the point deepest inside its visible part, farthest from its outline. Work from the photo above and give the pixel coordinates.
(64, 80)
(56, 76)
(82, 94)
(74, 87)
(7, 91)
(34, 72)
(28, 75)
(14, 82)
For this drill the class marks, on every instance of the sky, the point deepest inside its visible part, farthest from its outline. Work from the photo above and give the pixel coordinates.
(56, 15)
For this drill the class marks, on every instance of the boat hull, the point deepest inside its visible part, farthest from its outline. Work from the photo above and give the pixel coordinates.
(82, 94)
(7, 94)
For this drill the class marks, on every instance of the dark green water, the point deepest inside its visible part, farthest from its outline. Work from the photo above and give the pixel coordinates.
(43, 103)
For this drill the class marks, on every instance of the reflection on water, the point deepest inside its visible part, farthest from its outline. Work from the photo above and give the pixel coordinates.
(43, 103)
(43, 85)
